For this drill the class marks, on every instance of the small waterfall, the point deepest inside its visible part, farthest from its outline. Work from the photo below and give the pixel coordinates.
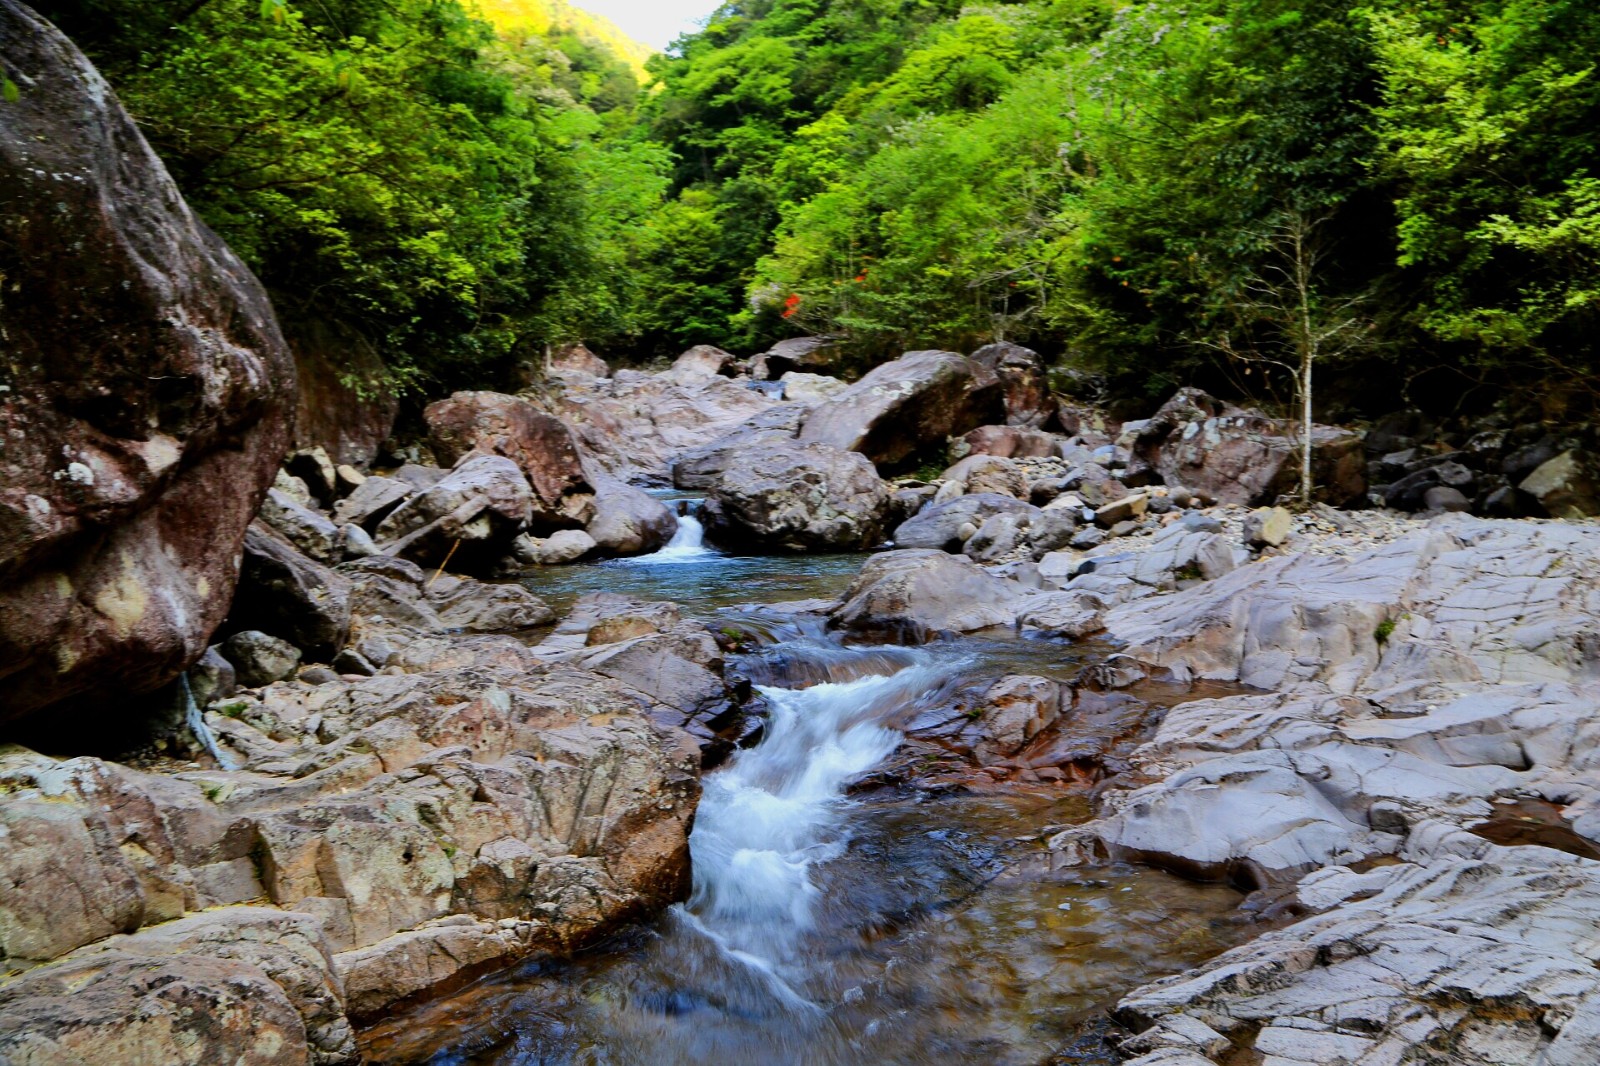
(778, 808)
(197, 726)
(686, 546)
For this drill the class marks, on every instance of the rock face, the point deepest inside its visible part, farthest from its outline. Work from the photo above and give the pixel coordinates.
(542, 447)
(907, 407)
(790, 497)
(148, 395)
(1236, 455)
(330, 413)
(1408, 693)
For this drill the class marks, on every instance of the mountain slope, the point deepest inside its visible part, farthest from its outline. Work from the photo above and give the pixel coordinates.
(540, 16)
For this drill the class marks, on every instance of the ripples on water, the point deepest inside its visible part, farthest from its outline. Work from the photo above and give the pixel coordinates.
(829, 929)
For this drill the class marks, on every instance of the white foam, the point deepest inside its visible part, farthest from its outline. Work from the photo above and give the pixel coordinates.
(686, 546)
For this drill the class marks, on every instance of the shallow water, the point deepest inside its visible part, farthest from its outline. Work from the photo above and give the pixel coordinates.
(832, 928)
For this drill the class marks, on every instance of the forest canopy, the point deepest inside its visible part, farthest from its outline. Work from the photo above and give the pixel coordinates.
(1109, 182)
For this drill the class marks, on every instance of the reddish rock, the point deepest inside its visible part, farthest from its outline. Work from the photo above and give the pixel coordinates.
(1238, 455)
(539, 443)
(1028, 399)
(902, 409)
(147, 402)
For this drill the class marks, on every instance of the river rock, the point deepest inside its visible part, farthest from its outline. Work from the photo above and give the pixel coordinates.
(371, 502)
(797, 497)
(636, 425)
(916, 594)
(1027, 392)
(940, 525)
(259, 658)
(147, 403)
(905, 408)
(577, 361)
(988, 474)
(800, 387)
(562, 546)
(1268, 527)
(477, 607)
(1567, 486)
(309, 531)
(290, 596)
(704, 360)
(541, 445)
(628, 521)
(470, 517)
(1238, 455)
(700, 466)
(1009, 442)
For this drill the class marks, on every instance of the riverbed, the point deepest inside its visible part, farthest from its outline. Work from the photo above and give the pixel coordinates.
(833, 920)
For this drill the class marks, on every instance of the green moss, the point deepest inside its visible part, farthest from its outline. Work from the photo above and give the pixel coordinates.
(1384, 631)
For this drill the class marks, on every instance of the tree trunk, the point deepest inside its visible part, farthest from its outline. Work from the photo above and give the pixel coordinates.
(1305, 429)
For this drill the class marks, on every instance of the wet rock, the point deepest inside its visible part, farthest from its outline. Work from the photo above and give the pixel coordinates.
(260, 659)
(810, 388)
(918, 593)
(290, 596)
(806, 497)
(1012, 712)
(1567, 486)
(1237, 455)
(1027, 392)
(904, 408)
(939, 526)
(628, 521)
(470, 516)
(1268, 527)
(147, 400)
(541, 446)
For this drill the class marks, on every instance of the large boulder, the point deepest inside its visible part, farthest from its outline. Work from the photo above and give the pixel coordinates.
(476, 510)
(628, 520)
(794, 353)
(704, 361)
(700, 466)
(147, 395)
(797, 497)
(1568, 486)
(916, 594)
(1027, 390)
(1238, 455)
(576, 361)
(540, 444)
(903, 409)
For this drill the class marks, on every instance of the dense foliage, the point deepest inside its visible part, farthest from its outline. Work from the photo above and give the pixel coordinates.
(394, 166)
(1110, 181)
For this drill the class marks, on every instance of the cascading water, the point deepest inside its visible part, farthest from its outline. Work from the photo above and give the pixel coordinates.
(777, 808)
(197, 725)
(686, 546)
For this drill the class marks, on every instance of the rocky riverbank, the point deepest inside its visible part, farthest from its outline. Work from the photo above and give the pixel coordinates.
(300, 749)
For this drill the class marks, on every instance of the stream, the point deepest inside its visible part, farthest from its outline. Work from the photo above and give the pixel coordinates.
(832, 926)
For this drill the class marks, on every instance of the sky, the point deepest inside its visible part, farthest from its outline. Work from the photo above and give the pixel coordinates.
(655, 22)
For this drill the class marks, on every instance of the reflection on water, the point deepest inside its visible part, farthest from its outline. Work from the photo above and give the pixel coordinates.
(826, 929)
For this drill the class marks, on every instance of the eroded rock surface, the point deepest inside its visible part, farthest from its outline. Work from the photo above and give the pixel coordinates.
(147, 402)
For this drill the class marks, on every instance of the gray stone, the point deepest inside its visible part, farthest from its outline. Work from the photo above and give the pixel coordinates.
(260, 659)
